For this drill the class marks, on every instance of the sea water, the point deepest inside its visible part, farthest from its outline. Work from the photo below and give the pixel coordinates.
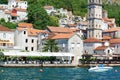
(78, 73)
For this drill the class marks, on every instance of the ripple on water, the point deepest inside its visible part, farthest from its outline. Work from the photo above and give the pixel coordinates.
(57, 74)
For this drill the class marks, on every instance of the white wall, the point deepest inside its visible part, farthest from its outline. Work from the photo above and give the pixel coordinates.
(21, 40)
(75, 46)
(4, 35)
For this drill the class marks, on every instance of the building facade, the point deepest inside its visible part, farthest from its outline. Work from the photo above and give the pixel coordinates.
(94, 19)
(14, 11)
(6, 38)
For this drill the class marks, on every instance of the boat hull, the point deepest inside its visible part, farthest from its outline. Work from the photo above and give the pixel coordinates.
(99, 69)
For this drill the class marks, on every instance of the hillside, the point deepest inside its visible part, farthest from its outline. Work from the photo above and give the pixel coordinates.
(113, 1)
(79, 7)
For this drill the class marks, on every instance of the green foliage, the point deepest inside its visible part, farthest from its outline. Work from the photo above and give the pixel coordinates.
(3, 1)
(50, 45)
(79, 7)
(10, 25)
(37, 15)
(113, 11)
(53, 21)
(41, 58)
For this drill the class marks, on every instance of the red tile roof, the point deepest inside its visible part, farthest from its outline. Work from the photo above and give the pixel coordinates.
(34, 32)
(31, 31)
(107, 19)
(48, 7)
(101, 47)
(115, 41)
(1, 8)
(61, 30)
(14, 14)
(3, 28)
(72, 25)
(21, 10)
(7, 11)
(61, 36)
(106, 37)
(25, 25)
(112, 29)
(84, 23)
(92, 40)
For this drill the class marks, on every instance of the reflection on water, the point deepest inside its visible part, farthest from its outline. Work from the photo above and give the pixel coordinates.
(57, 74)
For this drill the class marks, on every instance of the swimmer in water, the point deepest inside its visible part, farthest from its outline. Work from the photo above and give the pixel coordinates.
(41, 70)
(116, 71)
(2, 70)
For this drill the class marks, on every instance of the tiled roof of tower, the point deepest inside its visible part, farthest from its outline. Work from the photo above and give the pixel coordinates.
(115, 41)
(61, 30)
(25, 25)
(101, 47)
(112, 29)
(92, 40)
(3, 28)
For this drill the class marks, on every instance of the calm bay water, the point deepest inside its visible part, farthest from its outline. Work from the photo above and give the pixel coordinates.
(57, 74)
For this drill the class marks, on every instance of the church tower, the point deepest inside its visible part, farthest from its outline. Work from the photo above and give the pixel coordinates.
(94, 29)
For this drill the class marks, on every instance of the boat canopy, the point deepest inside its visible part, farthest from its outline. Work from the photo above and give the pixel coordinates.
(37, 54)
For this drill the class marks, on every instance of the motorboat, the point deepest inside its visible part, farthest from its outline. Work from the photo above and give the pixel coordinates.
(100, 68)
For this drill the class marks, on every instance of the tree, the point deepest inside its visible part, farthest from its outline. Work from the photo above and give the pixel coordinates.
(50, 45)
(53, 21)
(10, 25)
(3, 1)
(37, 15)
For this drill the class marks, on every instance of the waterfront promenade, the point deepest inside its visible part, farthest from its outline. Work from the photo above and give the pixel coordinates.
(37, 65)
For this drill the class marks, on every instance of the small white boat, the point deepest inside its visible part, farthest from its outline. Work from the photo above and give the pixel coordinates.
(100, 69)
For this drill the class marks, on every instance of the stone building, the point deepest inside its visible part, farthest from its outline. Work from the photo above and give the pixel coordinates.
(94, 19)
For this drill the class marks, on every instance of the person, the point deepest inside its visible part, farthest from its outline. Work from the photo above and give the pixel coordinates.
(116, 71)
(41, 70)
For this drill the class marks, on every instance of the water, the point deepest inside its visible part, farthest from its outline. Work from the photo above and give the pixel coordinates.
(57, 74)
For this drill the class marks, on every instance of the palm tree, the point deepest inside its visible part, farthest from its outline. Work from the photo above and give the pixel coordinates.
(50, 45)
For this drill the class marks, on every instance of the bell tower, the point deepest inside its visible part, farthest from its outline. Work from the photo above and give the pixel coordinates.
(94, 29)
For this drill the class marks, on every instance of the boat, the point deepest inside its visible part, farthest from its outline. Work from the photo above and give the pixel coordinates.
(100, 68)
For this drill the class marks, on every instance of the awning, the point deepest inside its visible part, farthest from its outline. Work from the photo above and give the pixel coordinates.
(37, 54)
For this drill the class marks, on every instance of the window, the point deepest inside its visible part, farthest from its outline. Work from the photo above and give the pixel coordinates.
(14, 17)
(73, 45)
(26, 48)
(32, 48)
(26, 40)
(78, 45)
(4, 44)
(32, 41)
(108, 51)
(4, 35)
(24, 32)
